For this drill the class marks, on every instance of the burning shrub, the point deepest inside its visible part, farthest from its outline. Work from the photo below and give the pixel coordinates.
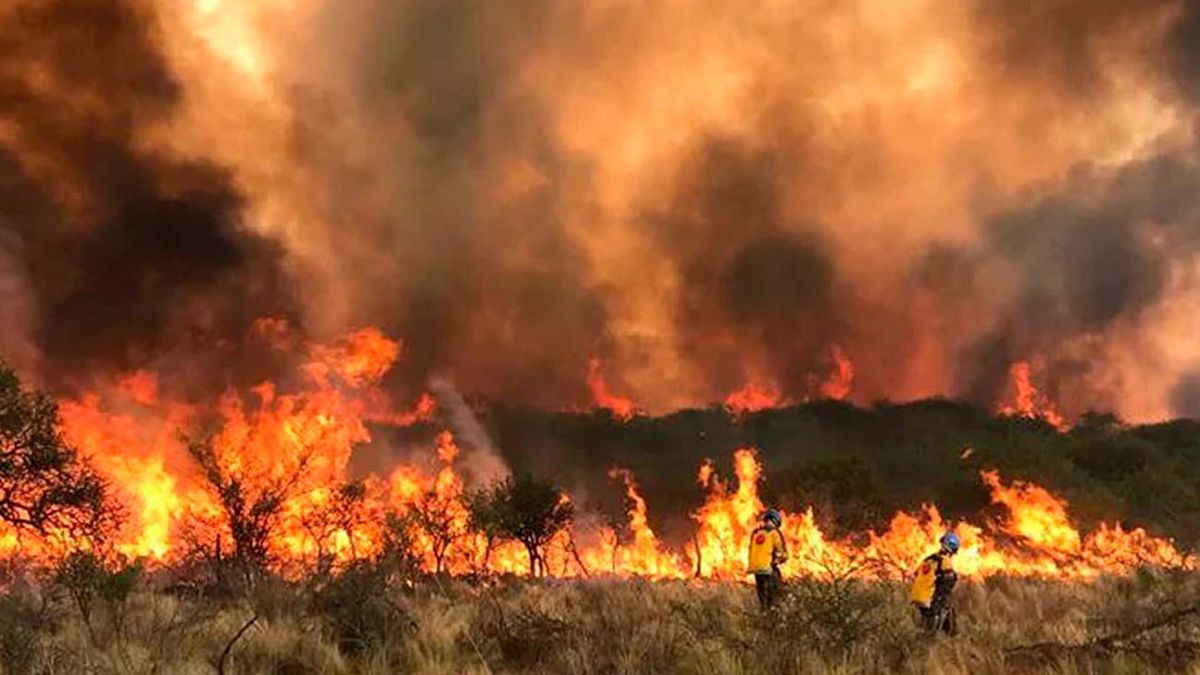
(433, 514)
(484, 520)
(398, 557)
(251, 507)
(342, 515)
(527, 510)
(48, 488)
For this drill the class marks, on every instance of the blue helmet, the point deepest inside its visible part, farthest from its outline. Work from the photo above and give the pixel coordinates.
(950, 542)
(772, 516)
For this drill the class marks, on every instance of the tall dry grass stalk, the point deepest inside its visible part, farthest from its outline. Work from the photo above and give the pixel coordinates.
(609, 626)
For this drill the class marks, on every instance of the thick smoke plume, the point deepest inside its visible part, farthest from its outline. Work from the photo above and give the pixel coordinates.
(701, 195)
(114, 253)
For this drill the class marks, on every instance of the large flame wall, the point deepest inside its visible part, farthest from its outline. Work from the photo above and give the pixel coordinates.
(305, 437)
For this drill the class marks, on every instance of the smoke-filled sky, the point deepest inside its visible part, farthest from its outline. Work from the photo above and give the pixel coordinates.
(703, 194)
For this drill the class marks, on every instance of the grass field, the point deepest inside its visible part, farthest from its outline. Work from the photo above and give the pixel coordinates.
(363, 623)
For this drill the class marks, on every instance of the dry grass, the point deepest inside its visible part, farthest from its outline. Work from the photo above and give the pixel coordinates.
(609, 627)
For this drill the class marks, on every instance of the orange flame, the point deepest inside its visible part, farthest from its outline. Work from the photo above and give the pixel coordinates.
(642, 555)
(1037, 538)
(837, 385)
(1029, 402)
(303, 439)
(725, 521)
(361, 359)
(141, 386)
(621, 408)
(424, 410)
(752, 398)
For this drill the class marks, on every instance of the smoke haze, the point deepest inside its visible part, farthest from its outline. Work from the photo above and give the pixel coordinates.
(703, 195)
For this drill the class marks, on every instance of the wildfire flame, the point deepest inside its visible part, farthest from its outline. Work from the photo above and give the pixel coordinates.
(621, 408)
(1037, 538)
(837, 385)
(304, 439)
(752, 398)
(642, 554)
(756, 396)
(1029, 402)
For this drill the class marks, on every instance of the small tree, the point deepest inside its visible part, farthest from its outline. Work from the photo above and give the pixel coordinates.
(484, 521)
(88, 582)
(347, 510)
(396, 557)
(529, 511)
(436, 517)
(343, 513)
(251, 506)
(45, 486)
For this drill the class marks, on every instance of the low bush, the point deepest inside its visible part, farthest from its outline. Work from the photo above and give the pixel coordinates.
(27, 619)
(361, 609)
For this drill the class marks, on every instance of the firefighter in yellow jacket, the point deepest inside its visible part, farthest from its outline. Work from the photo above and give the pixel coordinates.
(931, 587)
(767, 551)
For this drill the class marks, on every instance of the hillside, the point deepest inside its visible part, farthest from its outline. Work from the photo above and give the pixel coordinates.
(858, 466)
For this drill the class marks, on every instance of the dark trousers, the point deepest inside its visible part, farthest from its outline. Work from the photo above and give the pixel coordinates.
(766, 586)
(939, 616)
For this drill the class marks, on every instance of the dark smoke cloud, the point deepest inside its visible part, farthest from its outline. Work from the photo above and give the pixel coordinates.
(462, 218)
(1063, 44)
(1185, 397)
(1184, 46)
(1083, 266)
(129, 253)
(487, 286)
(1094, 252)
(754, 285)
(1091, 252)
(495, 286)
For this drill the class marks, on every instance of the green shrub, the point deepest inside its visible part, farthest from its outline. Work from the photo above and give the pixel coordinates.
(359, 609)
(91, 586)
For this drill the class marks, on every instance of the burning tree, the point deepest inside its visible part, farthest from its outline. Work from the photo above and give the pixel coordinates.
(251, 506)
(45, 485)
(435, 516)
(524, 509)
(342, 514)
(484, 521)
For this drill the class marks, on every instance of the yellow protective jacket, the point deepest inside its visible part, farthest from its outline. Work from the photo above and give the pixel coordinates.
(767, 547)
(924, 586)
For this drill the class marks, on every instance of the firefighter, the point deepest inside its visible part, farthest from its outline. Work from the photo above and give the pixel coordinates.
(931, 588)
(767, 551)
